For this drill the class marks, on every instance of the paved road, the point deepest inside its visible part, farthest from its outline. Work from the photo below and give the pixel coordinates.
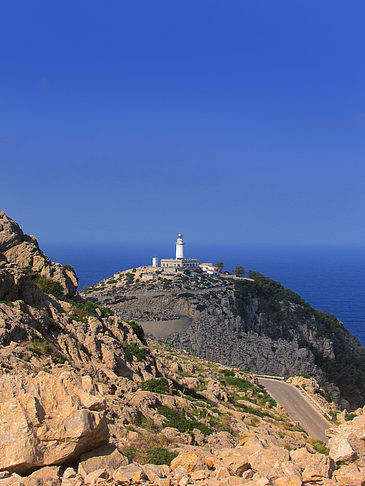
(298, 406)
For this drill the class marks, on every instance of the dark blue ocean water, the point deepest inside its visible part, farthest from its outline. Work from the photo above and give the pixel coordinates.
(329, 278)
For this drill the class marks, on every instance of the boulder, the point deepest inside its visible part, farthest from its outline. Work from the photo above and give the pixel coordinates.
(93, 477)
(319, 467)
(153, 473)
(45, 419)
(349, 475)
(234, 459)
(128, 473)
(105, 457)
(340, 450)
(189, 461)
(69, 473)
(301, 457)
(264, 460)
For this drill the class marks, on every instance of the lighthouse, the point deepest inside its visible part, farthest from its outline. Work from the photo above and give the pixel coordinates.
(180, 263)
(179, 247)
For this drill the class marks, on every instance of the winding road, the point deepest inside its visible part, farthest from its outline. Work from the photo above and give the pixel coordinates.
(298, 406)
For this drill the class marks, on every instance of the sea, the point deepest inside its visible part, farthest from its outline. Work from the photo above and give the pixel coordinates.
(330, 278)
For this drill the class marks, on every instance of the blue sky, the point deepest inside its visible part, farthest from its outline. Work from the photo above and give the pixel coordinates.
(231, 121)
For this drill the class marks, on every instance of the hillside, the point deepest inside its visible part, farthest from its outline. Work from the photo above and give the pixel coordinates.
(85, 399)
(255, 325)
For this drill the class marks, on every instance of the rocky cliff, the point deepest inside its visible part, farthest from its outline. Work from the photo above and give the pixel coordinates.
(23, 250)
(85, 400)
(255, 325)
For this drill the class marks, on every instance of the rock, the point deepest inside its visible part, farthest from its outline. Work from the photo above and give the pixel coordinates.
(76, 481)
(199, 475)
(287, 481)
(222, 472)
(15, 480)
(44, 420)
(319, 467)
(153, 472)
(314, 466)
(188, 460)
(93, 477)
(234, 459)
(349, 475)
(107, 457)
(126, 473)
(243, 441)
(49, 473)
(301, 457)
(25, 252)
(264, 460)
(180, 473)
(69, 473)
(340, 450)
(209, 462)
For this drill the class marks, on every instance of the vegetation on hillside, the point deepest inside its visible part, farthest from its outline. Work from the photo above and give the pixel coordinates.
(285, 315)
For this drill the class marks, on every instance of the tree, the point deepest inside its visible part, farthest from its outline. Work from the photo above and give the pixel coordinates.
(220, 266)
(239, 271)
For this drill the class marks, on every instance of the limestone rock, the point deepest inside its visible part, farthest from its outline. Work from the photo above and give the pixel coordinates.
(188, 460)
(264, 460)
(105, 457)
(44, 420)
(287, 481)
(341, 450)
(320, 466)
(69, 473)
(127, 473)
(25, 252)
(93, 477)
(349, 475)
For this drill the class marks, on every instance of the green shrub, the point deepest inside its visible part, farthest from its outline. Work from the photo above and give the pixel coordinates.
(228, 372)
(7, 302)
(254, 411)
(350, 416)
(39, 346)
(54, 326)
(156, 385)
(304, 375)
(80, 311)
(130, 452)
(159, 456)
(178, 421)
(49, 286)
(135, 350)
(137, 329)
(333, 415)
(69, 268)
(319, 446)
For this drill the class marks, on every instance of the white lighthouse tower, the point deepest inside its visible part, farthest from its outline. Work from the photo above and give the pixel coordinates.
(179, 247)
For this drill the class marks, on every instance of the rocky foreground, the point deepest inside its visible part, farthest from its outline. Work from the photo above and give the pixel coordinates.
(85, 399)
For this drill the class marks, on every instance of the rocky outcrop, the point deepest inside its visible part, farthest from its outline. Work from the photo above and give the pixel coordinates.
(24, 251)
(254, 325)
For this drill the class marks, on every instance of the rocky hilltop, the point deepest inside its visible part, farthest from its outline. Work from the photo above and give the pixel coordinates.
(253, 324)
(86, 400)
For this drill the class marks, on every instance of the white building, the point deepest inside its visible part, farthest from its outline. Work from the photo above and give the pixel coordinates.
(209, 268)
(179, 262)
